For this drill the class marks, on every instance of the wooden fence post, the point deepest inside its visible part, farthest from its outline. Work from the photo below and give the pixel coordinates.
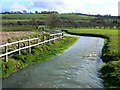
(29, 45)
(43, 39)
(62, 34)
(6, 56)
(53, 40)
(37, 41)
(19, 48)
(48, 38)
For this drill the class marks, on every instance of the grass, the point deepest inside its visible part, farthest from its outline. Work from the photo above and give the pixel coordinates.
(19, 28)
(41, 16)
(21, 20)
(38, 55)
(13, 20)
(24, 16)
(110, 54)
(76, 17)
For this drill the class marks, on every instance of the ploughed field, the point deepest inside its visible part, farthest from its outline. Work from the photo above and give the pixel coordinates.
(8, 37)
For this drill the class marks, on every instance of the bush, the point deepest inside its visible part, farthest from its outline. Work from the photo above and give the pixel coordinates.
(10, 67)
(111, 74)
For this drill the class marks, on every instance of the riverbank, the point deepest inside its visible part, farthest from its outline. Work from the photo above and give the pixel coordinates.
(110, 54)
(38, 55)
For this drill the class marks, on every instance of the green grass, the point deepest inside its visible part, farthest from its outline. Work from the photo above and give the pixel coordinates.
(41, 16)
(110, 54)
(14, 20)
(24, 16)
(22, 28)
(38, 55)
(76, 17)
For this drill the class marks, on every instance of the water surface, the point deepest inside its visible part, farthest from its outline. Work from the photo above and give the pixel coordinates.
(77, 67)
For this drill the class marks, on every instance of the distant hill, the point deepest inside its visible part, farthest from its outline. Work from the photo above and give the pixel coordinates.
(75, 20)
(42, 16)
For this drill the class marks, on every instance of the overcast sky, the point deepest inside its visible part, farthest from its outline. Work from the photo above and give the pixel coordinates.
(102, 7)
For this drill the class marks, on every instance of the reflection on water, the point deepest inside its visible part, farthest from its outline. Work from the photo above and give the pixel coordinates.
(77, 67)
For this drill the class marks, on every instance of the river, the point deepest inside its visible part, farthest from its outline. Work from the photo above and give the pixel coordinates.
(76, 67)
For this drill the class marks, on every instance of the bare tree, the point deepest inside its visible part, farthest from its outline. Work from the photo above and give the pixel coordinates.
(52, 21)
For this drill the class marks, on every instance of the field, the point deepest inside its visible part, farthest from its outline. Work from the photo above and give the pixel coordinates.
(63, 20)
(8, 37)
(110, 54)
(19, 28)
(42, 16)
(23, 16)
(14, 18)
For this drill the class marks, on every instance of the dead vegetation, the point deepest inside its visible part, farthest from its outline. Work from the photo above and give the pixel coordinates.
(8, 37)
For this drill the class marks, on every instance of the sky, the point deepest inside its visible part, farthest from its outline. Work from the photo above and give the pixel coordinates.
(103, 7)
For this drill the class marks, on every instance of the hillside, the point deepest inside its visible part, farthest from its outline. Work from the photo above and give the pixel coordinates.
(41, 16)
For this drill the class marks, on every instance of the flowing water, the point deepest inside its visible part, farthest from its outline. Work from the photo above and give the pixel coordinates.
(76, 67)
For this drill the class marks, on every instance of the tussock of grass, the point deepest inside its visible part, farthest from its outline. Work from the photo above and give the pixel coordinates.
(38, 55)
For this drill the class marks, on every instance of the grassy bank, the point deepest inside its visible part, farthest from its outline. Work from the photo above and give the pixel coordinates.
(110, 53)
(39, 54)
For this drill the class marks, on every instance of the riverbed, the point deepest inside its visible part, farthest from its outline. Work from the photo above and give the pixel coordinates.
(76, 67)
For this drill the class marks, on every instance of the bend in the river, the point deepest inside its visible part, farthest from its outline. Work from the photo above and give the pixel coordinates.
(76, 67)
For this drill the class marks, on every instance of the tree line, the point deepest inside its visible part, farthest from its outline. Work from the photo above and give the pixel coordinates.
(53, 21)
(100, 22)
(31, 22)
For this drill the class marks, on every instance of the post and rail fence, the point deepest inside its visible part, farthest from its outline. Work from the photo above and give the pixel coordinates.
(59, 35)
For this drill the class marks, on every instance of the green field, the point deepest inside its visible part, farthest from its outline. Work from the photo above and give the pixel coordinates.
(110, 54)
(21, 28)
(14, 20)
(25, 17)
